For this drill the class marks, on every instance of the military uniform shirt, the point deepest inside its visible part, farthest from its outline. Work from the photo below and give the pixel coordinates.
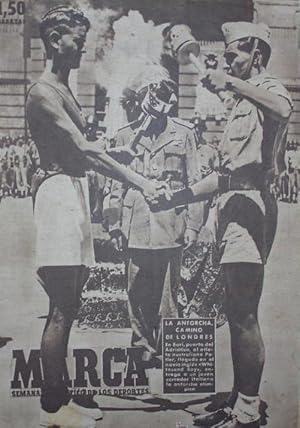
(172, 157)
(250, 136)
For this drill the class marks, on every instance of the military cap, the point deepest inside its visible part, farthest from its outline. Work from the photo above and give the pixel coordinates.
(239, 30)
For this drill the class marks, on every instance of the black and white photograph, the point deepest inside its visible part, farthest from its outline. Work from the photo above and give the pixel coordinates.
(149, 213)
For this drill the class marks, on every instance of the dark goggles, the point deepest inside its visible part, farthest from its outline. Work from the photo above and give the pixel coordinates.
(163, 90)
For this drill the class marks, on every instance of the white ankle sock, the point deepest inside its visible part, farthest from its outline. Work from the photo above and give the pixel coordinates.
(246, 408)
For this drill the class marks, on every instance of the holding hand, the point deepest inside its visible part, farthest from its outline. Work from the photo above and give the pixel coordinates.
(217, 81)
(157, 193)
(117, 240)
(190, 237)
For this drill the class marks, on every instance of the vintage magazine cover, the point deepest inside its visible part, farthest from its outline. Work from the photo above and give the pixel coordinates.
(154, 291)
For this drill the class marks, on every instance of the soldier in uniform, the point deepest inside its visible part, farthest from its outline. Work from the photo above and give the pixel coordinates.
(21, 166)
(166, 150)
(2, 160)
(251, 155)
(34, 159)
(7, 166)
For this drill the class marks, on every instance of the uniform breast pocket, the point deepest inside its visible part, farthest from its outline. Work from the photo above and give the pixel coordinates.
(243, 121)
(174, 157)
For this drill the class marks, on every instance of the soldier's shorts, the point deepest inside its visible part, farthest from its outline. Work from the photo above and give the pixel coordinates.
(246, 223)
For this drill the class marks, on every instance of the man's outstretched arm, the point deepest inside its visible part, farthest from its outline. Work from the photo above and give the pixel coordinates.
(44, 106)
(200, 191)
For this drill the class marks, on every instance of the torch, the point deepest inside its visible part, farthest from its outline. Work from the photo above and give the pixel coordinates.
(184, 46)
(185, 49)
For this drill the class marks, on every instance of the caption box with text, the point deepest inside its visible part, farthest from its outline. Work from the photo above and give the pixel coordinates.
(189, 355)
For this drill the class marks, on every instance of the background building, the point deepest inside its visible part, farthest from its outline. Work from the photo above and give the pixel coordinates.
(23, 58)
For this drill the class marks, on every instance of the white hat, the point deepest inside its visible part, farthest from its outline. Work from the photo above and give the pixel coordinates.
(238, 30)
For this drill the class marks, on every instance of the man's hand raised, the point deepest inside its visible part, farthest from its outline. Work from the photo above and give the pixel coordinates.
(217, 81)
(117, 240)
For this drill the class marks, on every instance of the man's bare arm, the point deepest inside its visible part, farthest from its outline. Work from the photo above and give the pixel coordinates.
(106, 165)
(44, 106)
(277, 106)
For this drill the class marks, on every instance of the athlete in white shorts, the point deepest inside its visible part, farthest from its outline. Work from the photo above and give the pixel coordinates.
(64, 246)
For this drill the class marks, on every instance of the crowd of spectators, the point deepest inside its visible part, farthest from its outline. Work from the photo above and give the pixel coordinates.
(19, 160)
(286, 186)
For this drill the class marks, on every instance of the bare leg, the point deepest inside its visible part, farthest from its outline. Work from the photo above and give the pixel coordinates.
(243, 290)
(63, 285)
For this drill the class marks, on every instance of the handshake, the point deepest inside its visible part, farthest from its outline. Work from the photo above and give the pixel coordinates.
(158, 194)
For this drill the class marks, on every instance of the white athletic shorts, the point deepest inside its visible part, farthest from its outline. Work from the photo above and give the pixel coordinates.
(63, 225)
